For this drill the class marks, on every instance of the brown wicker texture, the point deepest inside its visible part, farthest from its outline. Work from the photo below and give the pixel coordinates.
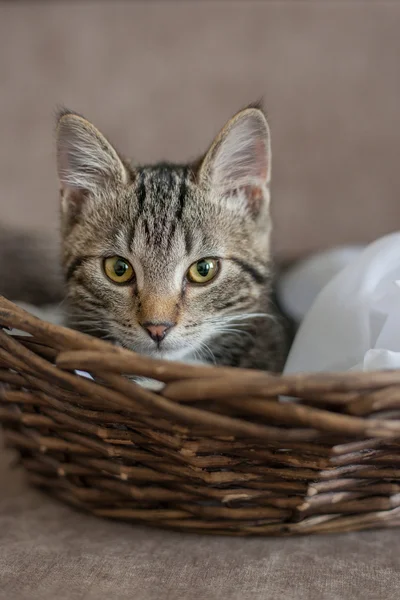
(215, 451)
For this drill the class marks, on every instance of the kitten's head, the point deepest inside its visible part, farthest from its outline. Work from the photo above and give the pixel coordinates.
(161, 258)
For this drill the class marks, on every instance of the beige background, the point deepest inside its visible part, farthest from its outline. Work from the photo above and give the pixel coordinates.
(160, 78)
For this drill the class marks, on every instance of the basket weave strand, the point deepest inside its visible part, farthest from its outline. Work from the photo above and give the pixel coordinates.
(214, 451)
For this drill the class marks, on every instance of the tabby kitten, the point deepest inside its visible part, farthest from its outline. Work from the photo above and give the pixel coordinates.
(171, 260)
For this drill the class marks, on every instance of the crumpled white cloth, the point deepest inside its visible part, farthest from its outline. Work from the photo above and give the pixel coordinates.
(298, 287)
(354, 322)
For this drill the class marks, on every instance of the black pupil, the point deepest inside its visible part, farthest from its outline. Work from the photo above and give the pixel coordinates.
(120, 268)
(203, 268)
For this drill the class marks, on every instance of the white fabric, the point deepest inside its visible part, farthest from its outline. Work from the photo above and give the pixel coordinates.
(298, 287)
(354, 323)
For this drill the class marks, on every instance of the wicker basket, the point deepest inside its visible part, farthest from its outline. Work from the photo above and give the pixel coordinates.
(214, 451)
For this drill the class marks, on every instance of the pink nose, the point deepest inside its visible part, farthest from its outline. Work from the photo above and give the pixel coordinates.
(157, 331)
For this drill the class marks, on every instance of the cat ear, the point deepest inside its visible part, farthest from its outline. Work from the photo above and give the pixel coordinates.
(86, 161)
(239, 160)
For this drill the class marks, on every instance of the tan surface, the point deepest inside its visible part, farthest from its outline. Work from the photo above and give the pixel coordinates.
(161, 77)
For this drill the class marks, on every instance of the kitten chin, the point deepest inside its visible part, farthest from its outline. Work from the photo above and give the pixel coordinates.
(179, 353)
(186, 355)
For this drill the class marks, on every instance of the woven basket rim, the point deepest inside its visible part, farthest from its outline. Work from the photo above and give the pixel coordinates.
(214, 450)
(43, 331)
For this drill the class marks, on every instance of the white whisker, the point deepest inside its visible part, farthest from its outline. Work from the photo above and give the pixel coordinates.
(209, 352)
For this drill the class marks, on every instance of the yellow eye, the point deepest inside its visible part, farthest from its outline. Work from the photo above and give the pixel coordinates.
(203, 270)
(118, 269)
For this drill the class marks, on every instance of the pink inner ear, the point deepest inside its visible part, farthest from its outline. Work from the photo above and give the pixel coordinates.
(255, 196)
(261, 159)
(71, 202)
(254, 193)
